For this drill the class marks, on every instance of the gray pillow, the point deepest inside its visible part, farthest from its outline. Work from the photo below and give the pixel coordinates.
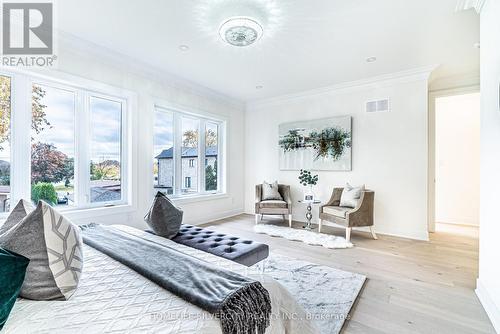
(270, 191)
(350, 195)
(16, 215)
(54, 246)
(164, 217)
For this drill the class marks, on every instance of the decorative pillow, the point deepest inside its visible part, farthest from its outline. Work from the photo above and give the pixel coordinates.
(350, 195)
(20, 211)
(270, 191)
(164, 217)
(54, 246)
(12, 272)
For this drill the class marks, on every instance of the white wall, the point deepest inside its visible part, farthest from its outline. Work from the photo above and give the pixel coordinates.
(389, 152)
(488, 287)
(457, 159)
(81, 59)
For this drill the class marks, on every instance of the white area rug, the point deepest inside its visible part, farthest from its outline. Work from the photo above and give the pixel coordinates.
(326, 294)
(308, 237)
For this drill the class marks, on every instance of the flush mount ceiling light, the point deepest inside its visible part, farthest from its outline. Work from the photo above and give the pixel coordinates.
(371, 59)
(240, 31)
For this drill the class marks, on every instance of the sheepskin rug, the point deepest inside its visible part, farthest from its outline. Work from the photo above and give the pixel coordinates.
(308, 237)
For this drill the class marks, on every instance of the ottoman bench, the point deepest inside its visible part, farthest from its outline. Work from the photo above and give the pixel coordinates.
(243, 251)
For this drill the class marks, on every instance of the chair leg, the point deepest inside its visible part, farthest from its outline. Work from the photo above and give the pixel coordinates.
(256, 218)
(319, 225)
(290, 220)
(348, 234)
(374, 235)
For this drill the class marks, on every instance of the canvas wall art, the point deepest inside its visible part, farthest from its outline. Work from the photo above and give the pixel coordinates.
(323, 144)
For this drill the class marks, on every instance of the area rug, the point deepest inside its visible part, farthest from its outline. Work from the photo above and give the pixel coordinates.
(308, 237)
(326, 294)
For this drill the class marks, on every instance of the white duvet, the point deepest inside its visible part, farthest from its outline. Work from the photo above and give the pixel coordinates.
(111, 298)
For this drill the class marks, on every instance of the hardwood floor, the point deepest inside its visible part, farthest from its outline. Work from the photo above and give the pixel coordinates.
(412, 286)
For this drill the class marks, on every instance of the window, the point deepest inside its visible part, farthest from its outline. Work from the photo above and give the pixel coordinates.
(163, 150)
(190, 143)
(5, 133)
(211, 155)
(182, 143)
(105, 150)
(53, 145)
(187, 182)
(70, 143)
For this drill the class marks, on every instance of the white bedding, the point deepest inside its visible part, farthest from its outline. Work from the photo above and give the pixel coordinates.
(112, 298)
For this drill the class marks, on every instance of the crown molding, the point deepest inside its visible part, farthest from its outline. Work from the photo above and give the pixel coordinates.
(411, 75)
(471, 79)
(469, 4)
(140, 68)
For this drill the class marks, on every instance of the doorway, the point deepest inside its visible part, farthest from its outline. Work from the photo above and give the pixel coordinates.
(456, 162)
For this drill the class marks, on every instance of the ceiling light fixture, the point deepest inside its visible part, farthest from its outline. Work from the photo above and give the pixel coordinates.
(183, 47)
(259, 87)
(371, 59)
(240, 31)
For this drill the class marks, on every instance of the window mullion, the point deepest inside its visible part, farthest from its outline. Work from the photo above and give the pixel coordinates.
(221, 158)
(21, 138)
(177, 154)
(201, 155)
(82, 138)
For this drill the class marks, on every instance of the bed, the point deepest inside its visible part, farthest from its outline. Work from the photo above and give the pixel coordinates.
(112, 298)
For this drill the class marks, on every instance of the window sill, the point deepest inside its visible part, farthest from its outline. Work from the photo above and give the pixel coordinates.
(87, 213)
(78, 214)
(198, 198)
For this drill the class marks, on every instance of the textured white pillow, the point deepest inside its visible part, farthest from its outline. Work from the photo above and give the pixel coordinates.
(351, 195)
(270, 191)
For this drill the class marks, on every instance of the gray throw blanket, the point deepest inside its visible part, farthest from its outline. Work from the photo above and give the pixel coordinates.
(242, 305)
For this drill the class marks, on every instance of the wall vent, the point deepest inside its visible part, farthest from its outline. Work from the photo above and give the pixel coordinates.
(377, 105)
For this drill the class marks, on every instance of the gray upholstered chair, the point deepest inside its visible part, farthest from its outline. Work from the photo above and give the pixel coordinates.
(273, 207)
(361, 215)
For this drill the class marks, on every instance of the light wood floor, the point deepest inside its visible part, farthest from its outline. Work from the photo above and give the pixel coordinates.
(412, 287)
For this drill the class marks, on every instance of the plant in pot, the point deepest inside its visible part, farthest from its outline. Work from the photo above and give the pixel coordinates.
(307, 179)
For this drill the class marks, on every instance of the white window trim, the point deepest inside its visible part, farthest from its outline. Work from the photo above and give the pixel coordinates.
(179, 111)
(21, 85)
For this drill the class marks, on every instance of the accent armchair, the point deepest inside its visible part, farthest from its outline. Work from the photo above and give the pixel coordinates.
(273, 207)
(361, 215)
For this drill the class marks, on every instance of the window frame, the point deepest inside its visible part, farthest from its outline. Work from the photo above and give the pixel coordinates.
(21, 98)
(178, 112)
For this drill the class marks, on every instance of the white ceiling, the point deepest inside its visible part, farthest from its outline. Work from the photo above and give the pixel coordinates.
(307, 44)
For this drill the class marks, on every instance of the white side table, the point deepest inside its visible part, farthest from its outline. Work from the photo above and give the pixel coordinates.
(308, 225)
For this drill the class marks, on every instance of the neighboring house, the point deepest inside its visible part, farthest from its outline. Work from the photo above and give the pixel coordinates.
(105, 190)
(189, 168)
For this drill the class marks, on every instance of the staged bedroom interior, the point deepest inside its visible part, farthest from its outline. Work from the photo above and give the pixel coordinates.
(249, 166)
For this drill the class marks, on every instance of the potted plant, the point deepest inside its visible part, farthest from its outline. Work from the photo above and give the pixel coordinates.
(307, 179)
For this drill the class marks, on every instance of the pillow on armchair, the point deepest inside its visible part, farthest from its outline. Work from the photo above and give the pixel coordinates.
(270, 191)
(351, 195)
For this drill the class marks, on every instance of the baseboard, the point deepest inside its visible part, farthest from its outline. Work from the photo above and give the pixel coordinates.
(416, 235)
(421, 236)
(215, 217)
(489, 305)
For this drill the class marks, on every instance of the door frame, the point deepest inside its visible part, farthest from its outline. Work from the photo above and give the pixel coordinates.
(431, 186)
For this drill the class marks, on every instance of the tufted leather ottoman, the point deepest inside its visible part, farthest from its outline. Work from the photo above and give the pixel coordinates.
(239, 250)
